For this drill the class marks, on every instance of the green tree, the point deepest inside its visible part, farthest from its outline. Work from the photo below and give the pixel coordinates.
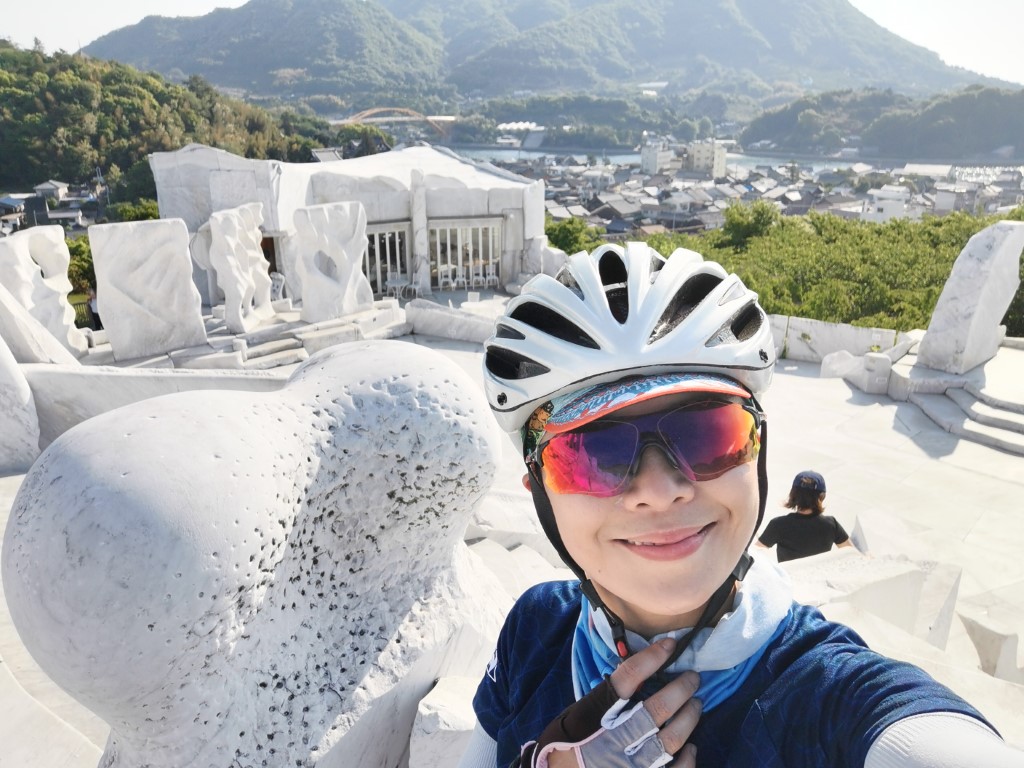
(142, 210)
(743, 222)
(80, 269)
(572, 235)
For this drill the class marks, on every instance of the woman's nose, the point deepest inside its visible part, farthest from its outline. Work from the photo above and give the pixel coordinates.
(657, 481)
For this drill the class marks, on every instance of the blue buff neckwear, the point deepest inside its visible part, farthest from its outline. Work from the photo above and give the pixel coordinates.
(593, 657)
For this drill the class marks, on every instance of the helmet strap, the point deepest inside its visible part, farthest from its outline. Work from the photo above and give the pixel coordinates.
(547, 519)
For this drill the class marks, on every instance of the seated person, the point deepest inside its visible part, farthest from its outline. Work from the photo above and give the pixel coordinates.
(805, 531)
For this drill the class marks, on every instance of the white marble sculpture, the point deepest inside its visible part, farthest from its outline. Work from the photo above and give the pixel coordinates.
(203, 273)
(232, 578)
(243, 272)
(19, 424)
(965, 329)
(144, 287)
(27, 338)
(34, 268)
(331, 241)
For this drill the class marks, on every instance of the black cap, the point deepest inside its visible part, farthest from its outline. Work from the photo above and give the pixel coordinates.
(810, 480)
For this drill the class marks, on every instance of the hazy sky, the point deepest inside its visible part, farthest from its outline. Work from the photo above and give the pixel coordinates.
(980, 35)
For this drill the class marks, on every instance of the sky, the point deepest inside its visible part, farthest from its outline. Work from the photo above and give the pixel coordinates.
(980, 35)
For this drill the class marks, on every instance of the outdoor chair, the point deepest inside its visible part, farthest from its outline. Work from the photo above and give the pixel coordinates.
(396, 285)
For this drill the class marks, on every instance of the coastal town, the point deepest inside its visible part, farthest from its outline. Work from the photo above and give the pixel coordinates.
(688, 187)
(674, 187)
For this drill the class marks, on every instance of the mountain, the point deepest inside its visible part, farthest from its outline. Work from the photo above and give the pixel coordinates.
(366, 51)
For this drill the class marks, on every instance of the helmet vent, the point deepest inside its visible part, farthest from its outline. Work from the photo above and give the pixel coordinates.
(747, 322)
(618, 302)
(566, 278)
(505, 364)
(613, 271)
(744, 325)
(504, 332)
(692, 293)
(552, 323)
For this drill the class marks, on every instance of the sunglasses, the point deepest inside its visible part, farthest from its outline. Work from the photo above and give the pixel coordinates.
(704, 440)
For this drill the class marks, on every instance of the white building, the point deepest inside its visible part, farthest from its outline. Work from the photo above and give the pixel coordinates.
(430, 213)
(655, 156)
(707, 157)
(55, 189)
(890, 202)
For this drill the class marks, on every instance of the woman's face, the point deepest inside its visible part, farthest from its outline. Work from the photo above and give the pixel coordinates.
(658, 550)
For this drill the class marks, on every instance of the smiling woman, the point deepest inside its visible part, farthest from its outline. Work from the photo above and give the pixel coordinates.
(632, 384)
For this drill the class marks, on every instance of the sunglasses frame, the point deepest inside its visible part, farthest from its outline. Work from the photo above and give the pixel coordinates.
(646, 439)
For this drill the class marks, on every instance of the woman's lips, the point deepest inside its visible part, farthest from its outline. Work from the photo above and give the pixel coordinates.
(667, 545)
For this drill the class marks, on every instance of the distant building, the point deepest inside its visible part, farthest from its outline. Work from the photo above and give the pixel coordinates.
(707, 157)
(53, 189)
(889, 202)
(427, 209)
(655, 157)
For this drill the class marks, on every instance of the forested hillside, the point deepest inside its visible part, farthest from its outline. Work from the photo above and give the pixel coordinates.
(65, 116)
(974, 123)
(431, 54)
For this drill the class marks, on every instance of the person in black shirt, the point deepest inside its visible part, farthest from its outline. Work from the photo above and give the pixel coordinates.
(805, 531)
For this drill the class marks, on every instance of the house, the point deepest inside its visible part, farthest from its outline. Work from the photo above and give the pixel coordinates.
(69, 217)
(955, 196)
(12, 213)
(891, 201)
(56, 190)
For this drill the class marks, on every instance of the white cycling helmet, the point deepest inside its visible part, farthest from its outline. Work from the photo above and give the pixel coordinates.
(617, 312)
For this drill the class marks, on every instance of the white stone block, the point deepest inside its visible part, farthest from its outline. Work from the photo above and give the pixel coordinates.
(68, 395)
(869, 373)
(444, 722)
(993, 626)
(965, 329)
(34, 268)
(811, 340)
(145, 292)
(19, 424)
(430, 319)
(780, 328)
(292, 581)
(917, 597)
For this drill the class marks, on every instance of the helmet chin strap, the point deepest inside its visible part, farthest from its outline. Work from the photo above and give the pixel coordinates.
(717, 600)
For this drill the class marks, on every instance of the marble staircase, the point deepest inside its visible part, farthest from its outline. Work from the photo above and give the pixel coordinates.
(985, 405)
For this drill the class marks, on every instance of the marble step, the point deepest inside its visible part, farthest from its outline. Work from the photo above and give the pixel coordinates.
(951, 417)
(986, 413)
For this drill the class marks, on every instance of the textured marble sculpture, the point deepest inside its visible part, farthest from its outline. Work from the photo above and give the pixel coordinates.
(144, 288)
(27, 338)
(19, 425)
(331, 241)
(247, 579)
(243, 272)
(34, 268)
(965, 329)
(203, 273)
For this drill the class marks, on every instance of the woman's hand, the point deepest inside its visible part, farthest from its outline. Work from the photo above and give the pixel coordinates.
(602, 729)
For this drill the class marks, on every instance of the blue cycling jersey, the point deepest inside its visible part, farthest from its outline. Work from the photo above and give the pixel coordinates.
(818, 697)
